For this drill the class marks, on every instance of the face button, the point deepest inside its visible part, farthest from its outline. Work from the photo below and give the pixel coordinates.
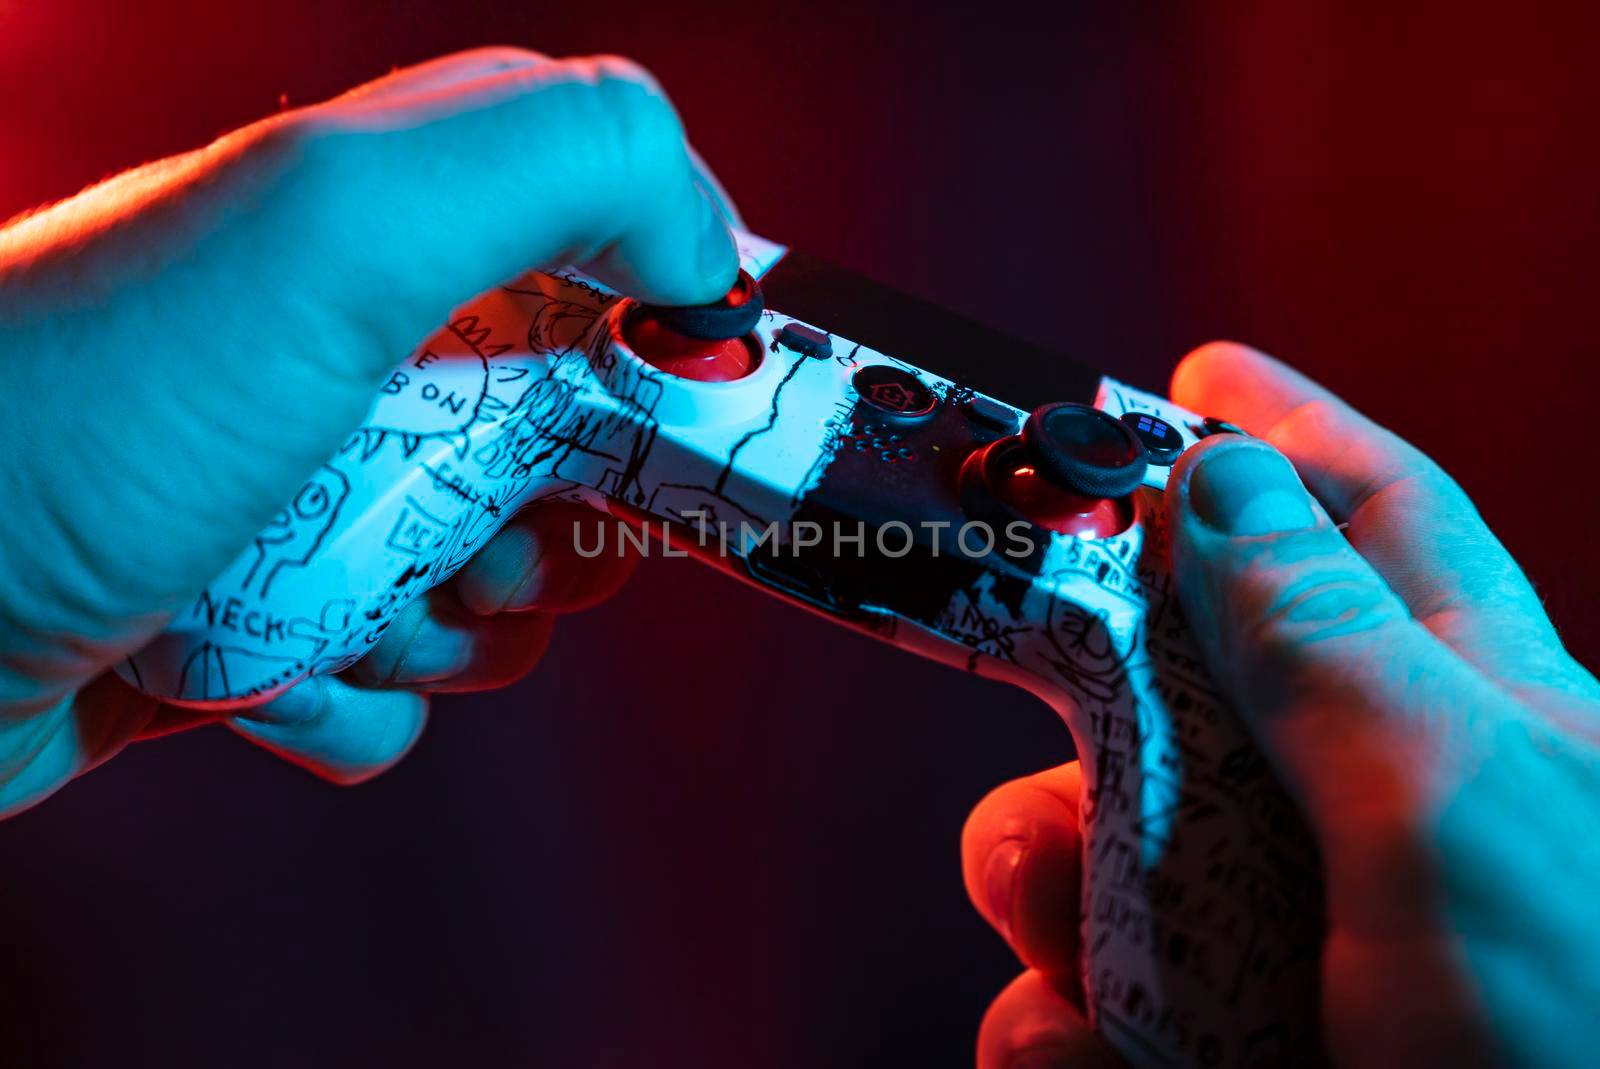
(806, 341)
(1085, 451)
(893, 391)
(991, 414)
(1212, 425)
(1162, 441)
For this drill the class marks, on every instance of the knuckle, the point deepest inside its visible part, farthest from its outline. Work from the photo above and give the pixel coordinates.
(300, 130)
(1422, 487)
(1318, 416)
(1390, 463)
(492, 58)
(633, 113)
(1437, 485)
(622, 73)
(619, 121)
(1298, 593)
(298, 145)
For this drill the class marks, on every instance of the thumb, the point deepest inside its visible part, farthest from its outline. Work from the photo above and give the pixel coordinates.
(1348, 696)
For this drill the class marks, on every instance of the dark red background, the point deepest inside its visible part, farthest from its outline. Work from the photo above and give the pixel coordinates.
(710, 830)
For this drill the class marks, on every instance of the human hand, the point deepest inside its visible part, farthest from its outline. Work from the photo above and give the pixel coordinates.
(184, 344)
(1404, 681)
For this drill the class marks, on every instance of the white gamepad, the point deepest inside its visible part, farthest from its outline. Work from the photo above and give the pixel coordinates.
(831, 472)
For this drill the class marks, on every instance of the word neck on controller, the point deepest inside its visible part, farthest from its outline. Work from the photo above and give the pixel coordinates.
(780, 435)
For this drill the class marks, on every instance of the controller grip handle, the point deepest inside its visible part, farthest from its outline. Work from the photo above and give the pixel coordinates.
(1201, 916)
(384, 521)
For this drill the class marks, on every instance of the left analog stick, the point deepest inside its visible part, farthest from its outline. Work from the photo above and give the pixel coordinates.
(702, 342)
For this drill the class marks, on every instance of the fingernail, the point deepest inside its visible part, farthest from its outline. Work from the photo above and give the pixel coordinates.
(1000, 880)
(719, 256)
(300, 704)
(546, 586)
(435, 652)
(498, 578)
(415, 649)
(1249, 490)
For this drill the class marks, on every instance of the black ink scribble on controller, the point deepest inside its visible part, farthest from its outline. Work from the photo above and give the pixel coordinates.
(295, 533)
(442, 391)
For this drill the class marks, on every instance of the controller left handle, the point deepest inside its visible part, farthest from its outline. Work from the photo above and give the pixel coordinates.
(463, 433)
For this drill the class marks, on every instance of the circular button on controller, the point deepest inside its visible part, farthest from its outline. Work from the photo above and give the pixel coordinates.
(1084, 450)
(1162, 441)
(893, 391)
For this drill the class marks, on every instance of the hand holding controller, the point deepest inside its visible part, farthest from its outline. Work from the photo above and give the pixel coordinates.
(1421, 708)
(186, 344)
(1026, 548)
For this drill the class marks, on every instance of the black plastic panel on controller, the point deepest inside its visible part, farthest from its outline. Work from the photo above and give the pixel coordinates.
(879, 317)
(891, 469)
(887, 471)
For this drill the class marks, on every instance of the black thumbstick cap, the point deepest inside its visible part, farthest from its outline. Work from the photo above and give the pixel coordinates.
(1085, 451)
(734, 316)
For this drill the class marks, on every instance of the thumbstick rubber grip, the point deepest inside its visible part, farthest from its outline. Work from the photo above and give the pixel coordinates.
(1085, 451)
(734, 316)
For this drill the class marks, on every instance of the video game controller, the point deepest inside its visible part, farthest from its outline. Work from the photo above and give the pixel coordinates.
(778, 435)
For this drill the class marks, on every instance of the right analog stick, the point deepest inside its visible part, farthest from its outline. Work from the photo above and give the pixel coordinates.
(1084, 451)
